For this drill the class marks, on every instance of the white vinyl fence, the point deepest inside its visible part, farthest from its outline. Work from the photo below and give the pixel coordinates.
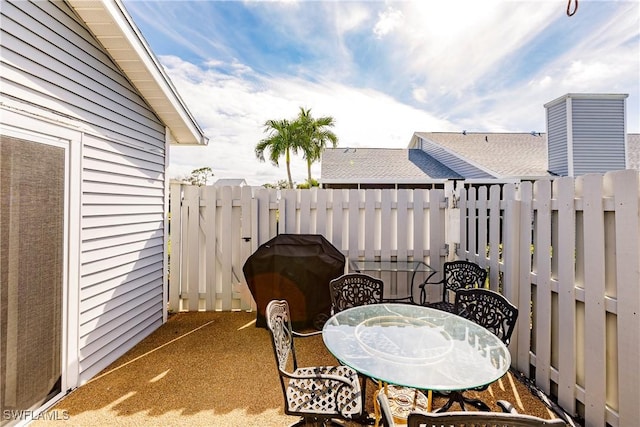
(214, 230)
(566, 252)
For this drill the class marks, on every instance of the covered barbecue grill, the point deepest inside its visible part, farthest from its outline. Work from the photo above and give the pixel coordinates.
(298, 268)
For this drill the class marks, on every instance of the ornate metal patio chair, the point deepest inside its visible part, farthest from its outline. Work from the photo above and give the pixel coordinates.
(488, 309)
(457, 275)
(353, 290)
(508, 418)
(492, 311)
(318, 394)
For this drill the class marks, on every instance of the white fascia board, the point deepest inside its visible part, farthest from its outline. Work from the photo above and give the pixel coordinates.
(585, 96)
(174, 113)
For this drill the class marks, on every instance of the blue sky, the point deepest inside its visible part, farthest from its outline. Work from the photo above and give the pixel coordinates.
(382, 69)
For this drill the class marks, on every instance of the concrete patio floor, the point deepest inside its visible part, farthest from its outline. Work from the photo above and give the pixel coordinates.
(214, 369)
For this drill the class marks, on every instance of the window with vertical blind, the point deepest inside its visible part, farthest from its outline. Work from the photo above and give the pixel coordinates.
(32, 191)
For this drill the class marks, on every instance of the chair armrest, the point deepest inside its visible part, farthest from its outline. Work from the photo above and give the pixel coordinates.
(423, 291)
(331, 377)
(506, 407)
(385, 409)
(306, 334)
(423, 284)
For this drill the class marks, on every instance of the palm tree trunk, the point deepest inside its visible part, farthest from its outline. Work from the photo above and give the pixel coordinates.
(288, 162)
(309, 171)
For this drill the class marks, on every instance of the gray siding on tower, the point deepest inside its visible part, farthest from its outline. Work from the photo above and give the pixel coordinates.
(598, 135)
(558, 161)
(51, 61)
(586, 133)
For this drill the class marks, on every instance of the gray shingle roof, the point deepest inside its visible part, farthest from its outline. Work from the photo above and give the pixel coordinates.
(633, 150)
(503, 155)
(369, 165)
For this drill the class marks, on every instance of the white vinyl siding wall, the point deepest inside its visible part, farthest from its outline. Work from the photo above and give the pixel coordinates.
(122, 250)
(51, 62)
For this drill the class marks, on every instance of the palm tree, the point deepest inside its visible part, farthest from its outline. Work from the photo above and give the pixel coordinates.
(313, 136)
(280, 141)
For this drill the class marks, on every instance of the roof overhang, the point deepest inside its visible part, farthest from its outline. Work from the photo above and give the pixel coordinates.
(386, 180)
(114, 28)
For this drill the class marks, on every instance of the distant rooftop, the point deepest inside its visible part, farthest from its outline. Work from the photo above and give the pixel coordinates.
(375, 165)
(437, 156)
(503, 155)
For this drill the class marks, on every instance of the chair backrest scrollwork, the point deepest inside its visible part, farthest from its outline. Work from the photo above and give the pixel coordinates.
(489, 309)
(353, 290)
(463, 274)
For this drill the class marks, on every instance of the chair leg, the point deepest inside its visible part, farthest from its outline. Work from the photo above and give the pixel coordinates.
(477, 403)
(459, 398)
(300, 423)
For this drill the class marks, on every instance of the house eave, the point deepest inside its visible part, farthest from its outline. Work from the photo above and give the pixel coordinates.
(114, 28)
(387, 180)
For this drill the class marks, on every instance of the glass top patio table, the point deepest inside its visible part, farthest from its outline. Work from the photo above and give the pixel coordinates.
(395, 266)
(408, 266)
(415, 346)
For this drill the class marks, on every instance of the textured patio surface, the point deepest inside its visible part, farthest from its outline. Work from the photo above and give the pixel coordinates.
(214, 369)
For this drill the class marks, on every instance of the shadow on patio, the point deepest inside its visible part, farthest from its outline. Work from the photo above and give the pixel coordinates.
(213, 369)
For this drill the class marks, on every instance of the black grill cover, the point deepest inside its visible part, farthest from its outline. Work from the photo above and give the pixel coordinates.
(297, 268)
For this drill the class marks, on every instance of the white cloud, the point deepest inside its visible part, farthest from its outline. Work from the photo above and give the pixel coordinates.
(388, 21)
(232, 112)
(451, 45)
(460, 63)
(419, 94)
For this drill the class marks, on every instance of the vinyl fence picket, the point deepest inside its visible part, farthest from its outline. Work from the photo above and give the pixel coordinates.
(386, 201)
(372, 198)
(524, 278)
(337, 211)
(594, 302)
(463, 205)
(542, 307)
(304, 212)
(247, 234)
(353, 221)
(175, 257)
(494, 236)
(321, 212)
(209, 214)
(472, 226)
(483, 229)
(510, 254)
(225, 244)
(564, 251)
(626, 193)
(190, 278)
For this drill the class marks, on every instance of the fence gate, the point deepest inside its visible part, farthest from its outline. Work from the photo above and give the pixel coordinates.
(213, 230)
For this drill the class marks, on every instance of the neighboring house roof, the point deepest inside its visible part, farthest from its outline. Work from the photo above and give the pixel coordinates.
(381, 165)
(112, 26)
(447, 155)
(501, 155)
(633, 150)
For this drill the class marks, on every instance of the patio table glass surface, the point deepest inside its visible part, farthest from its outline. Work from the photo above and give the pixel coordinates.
(415, 346)
(408, 266)
(412, 267)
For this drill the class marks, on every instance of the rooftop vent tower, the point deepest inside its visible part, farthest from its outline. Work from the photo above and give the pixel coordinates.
(586, 133)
